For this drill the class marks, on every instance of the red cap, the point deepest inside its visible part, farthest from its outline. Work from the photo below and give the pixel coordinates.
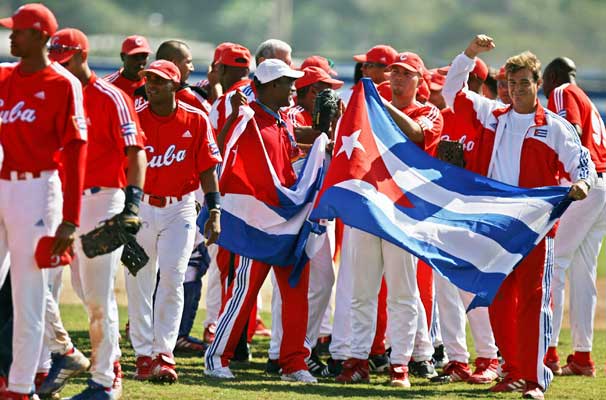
(423, 92)
(501, 76)
(32, 16)
(480, 70)
(220, 49)
(437, 80)
(410, 61)
(164, 69)
(384, 89)
(318, 61)
(381, 54)
(235, 56)
(46, 259)
(135, 44)
(317, 74)
(65, 43)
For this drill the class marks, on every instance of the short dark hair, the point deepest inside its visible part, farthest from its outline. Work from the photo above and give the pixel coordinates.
(171, 50)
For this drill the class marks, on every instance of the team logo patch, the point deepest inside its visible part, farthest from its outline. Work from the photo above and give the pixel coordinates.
(540, 132)
(129, 129)
(214, 149)
(80, 123)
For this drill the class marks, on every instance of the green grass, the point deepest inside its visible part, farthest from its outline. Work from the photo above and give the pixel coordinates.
(252, 384)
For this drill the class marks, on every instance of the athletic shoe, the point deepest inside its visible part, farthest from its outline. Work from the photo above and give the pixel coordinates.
(378, 362)
(117, 384)
(18, 396)
(574, 368)
(354, 371)
(457, 371)
(220, 373)
(63, 367)
(3, 384)
(323, 345)
(261, 330)
(422, 369)
(533, 391)
(94, 391)
(439, 358)
(315, 366)
(243, 354)
(486, 371)
(302, 376)
(334, 366)
(554, 366)
(399, 376)
(143, 371)
(189, 344)
(209, 333)
(509, 385)
(163, 369)
(39, 379)
(272, 367)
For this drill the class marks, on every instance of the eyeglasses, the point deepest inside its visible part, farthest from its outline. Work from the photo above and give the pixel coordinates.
(61, 48)
(373, 65)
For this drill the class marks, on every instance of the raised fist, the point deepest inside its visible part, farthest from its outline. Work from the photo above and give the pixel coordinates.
(479, 44)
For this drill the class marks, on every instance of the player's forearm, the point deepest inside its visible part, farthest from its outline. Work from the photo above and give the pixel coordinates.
(306, 134)
(410, 128)
(137, 164)
(74, 155)
(209, 181)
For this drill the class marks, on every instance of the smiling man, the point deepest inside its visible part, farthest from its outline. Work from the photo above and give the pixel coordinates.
(521, 144)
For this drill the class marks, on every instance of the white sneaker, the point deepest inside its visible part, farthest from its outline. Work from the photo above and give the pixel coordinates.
(221, 373)
(301, 375)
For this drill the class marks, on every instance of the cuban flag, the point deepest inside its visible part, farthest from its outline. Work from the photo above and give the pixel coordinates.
(471, 229)
(260, 218)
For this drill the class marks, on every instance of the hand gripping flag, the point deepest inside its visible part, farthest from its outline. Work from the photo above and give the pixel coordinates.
(471, 229)
(260, 218)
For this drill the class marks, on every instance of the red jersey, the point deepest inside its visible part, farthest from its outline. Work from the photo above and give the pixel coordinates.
(299, 117)
(571, 102)
(221, 108)
(41, 112)
(459, 130)
(113, 126)
(126, 85)
(194, 99)
(429, 118)
(179, 147)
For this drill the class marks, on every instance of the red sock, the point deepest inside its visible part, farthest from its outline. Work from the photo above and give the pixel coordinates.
(70, 351)
(583, 357)
(552, 354)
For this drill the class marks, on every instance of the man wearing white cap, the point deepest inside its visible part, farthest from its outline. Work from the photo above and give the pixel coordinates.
(273, 81)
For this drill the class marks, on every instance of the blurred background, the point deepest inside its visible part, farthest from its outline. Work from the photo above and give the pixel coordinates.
(436, 29)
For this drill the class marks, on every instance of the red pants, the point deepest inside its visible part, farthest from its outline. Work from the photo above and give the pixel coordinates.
(241, 296)
(425, 283)
(520, 316)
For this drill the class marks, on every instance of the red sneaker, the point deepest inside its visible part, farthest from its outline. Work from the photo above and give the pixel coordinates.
(533, 391)
(261, 330)
(163, 369)
(39, 379)
(144, 371)
(574, 368)
(117, 384)
(554, 366)
(509, 385)
(209, 333)
(399, 375)
(354, 371)
(486, 371)
(458, 371)
(3, 384)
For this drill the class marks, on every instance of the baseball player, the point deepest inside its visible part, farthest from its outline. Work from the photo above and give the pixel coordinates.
(522, 144)
(42, 113)
(273, 80)
(181, 154)
(134, 54)
(114, 132)
(320, 62)
(582, 227)
(371, 257)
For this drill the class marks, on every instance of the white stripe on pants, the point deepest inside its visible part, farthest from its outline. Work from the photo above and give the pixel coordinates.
(167, 235)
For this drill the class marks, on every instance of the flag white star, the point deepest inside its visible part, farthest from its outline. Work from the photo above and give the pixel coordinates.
(351, 142)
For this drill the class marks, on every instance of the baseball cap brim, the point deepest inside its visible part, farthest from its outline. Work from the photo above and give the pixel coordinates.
(61, 57)
(360, 58)
(335, 83)
(403, 65)
(138, 50)
(292, 73)
(161, 74)
(7, 22)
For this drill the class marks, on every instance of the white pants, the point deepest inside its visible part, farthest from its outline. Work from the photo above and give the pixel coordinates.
(167, 235)
(423, 346)
(372, 258)
(453, 302)
(577, 245)
(213, 288)
(340, 344)
(56, 337)
(29, 209)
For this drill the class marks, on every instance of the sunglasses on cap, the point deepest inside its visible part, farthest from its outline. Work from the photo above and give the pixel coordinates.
(62, 48)
(373, 65)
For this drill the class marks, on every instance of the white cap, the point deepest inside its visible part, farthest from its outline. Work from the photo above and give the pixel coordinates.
(272, 69)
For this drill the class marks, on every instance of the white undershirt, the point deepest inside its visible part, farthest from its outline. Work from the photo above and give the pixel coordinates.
(507, 157)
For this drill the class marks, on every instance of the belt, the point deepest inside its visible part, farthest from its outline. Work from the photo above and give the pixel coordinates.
(160, 201)
(92, 190)
(24, 175)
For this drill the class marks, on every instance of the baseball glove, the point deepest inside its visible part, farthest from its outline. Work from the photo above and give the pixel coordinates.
(326, 108)
(113, 233)
(134, 257)
(451, 152)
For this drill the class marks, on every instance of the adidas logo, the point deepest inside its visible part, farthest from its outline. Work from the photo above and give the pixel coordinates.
(40, 95)
(186, 134)
(39, 223)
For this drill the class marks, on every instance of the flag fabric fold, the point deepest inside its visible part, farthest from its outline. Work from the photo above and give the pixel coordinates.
(471, 229)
